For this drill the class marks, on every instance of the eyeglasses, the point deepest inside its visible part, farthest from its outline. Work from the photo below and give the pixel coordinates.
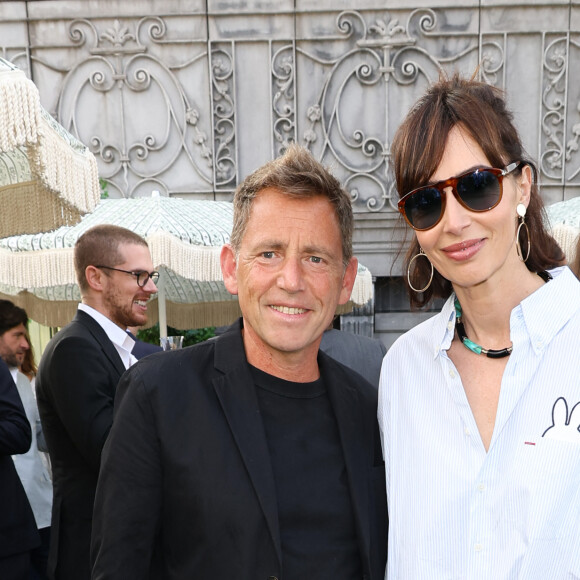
(142, 277)
(476, 190)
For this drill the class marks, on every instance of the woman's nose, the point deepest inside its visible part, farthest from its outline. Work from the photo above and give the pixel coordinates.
(455, 217)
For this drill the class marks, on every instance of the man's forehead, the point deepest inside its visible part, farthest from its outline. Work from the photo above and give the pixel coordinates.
(129, 250)
(18, 329)
(269, 201)
(295, 228)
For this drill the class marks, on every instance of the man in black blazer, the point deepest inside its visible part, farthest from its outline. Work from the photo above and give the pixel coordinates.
(18, 533)
(253, 456)
(77, 379)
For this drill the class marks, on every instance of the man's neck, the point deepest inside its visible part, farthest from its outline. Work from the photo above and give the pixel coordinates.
(95, 308)
(299, 367)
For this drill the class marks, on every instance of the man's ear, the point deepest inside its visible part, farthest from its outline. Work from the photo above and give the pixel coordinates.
(348, 281)
(228, 264)
(94, 278)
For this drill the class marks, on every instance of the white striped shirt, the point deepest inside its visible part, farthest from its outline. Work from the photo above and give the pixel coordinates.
(455, 511)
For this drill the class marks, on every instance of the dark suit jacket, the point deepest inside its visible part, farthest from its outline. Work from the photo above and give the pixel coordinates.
(143, 348)
(359, 353)
(76, 383)
(186, 487)
(18, 531)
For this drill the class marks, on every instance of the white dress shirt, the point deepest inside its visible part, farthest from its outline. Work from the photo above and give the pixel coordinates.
(455, 511)
(30, 466)
(119, 337)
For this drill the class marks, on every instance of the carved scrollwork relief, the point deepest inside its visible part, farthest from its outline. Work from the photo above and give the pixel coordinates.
(223, 108)
(158, 98)
(143, 125)
(284, 97)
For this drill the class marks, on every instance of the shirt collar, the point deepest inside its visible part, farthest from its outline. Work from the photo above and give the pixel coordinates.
(549, 308)
(14, 373)
(117, 335)
(444, 327)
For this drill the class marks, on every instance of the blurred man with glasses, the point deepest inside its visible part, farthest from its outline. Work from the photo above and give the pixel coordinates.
(78, 376)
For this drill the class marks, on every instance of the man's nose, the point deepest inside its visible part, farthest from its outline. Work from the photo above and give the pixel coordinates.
(291, 275)
(150, 286)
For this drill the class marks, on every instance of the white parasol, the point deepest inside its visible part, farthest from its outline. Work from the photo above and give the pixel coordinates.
(564, 217)
(47, 177)
(185, 238)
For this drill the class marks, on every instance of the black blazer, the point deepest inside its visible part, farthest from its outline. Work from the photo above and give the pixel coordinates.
(75, 386)
(142, 348)
(18, 531)
(186, 487)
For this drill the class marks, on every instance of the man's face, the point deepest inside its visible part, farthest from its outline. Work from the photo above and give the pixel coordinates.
(124, 302)
(289, 275)
(13, 345)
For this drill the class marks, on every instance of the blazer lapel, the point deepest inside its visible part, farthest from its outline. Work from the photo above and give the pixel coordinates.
(356, 440)
(236, 393)
(101, 337)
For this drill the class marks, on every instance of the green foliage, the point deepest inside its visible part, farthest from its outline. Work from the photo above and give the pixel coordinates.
(104, 188)
(189, 336)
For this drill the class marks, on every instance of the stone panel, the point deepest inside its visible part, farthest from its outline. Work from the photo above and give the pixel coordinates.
(14, 34)
(189, 96)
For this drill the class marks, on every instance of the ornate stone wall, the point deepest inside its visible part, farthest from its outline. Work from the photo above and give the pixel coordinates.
(188, 96)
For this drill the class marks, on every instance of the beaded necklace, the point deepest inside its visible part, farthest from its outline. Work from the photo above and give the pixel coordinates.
(476, 348)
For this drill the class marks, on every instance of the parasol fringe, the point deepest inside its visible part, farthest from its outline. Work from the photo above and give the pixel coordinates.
(65, 168)
(567, 238)
(189, 261)
(181, 316)
(37, 269)
(46, 312)
(363, 288)
(19, 111)
(36, 205)
(45, 268)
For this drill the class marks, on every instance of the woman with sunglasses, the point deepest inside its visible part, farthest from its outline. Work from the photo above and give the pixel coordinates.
(479, 406)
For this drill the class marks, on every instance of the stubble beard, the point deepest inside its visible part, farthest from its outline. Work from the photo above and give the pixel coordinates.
(122, 315)
(11, 359)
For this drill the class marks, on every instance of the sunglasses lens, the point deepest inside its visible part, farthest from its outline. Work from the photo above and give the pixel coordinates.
(423, 208)
(479, 190)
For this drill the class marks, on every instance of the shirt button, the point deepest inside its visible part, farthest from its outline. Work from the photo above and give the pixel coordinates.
(450, 325)
(452, 373)
(539, 344)
(481, 487)
(478, 547)
(466, 430)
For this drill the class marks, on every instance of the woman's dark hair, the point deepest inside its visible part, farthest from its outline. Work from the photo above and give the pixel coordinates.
(418, 148)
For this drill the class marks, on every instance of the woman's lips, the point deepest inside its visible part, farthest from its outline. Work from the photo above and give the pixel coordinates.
(464, 250)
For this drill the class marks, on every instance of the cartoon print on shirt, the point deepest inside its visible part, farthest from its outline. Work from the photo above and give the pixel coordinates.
(564, 427)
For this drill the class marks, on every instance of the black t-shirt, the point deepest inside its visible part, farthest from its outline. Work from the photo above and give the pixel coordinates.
(317, 527)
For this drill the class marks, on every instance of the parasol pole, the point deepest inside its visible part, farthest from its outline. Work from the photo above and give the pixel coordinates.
(162, 308)
(161, 304)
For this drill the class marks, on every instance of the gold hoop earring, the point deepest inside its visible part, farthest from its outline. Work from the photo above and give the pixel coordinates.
(421, 253)
(521, 211)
